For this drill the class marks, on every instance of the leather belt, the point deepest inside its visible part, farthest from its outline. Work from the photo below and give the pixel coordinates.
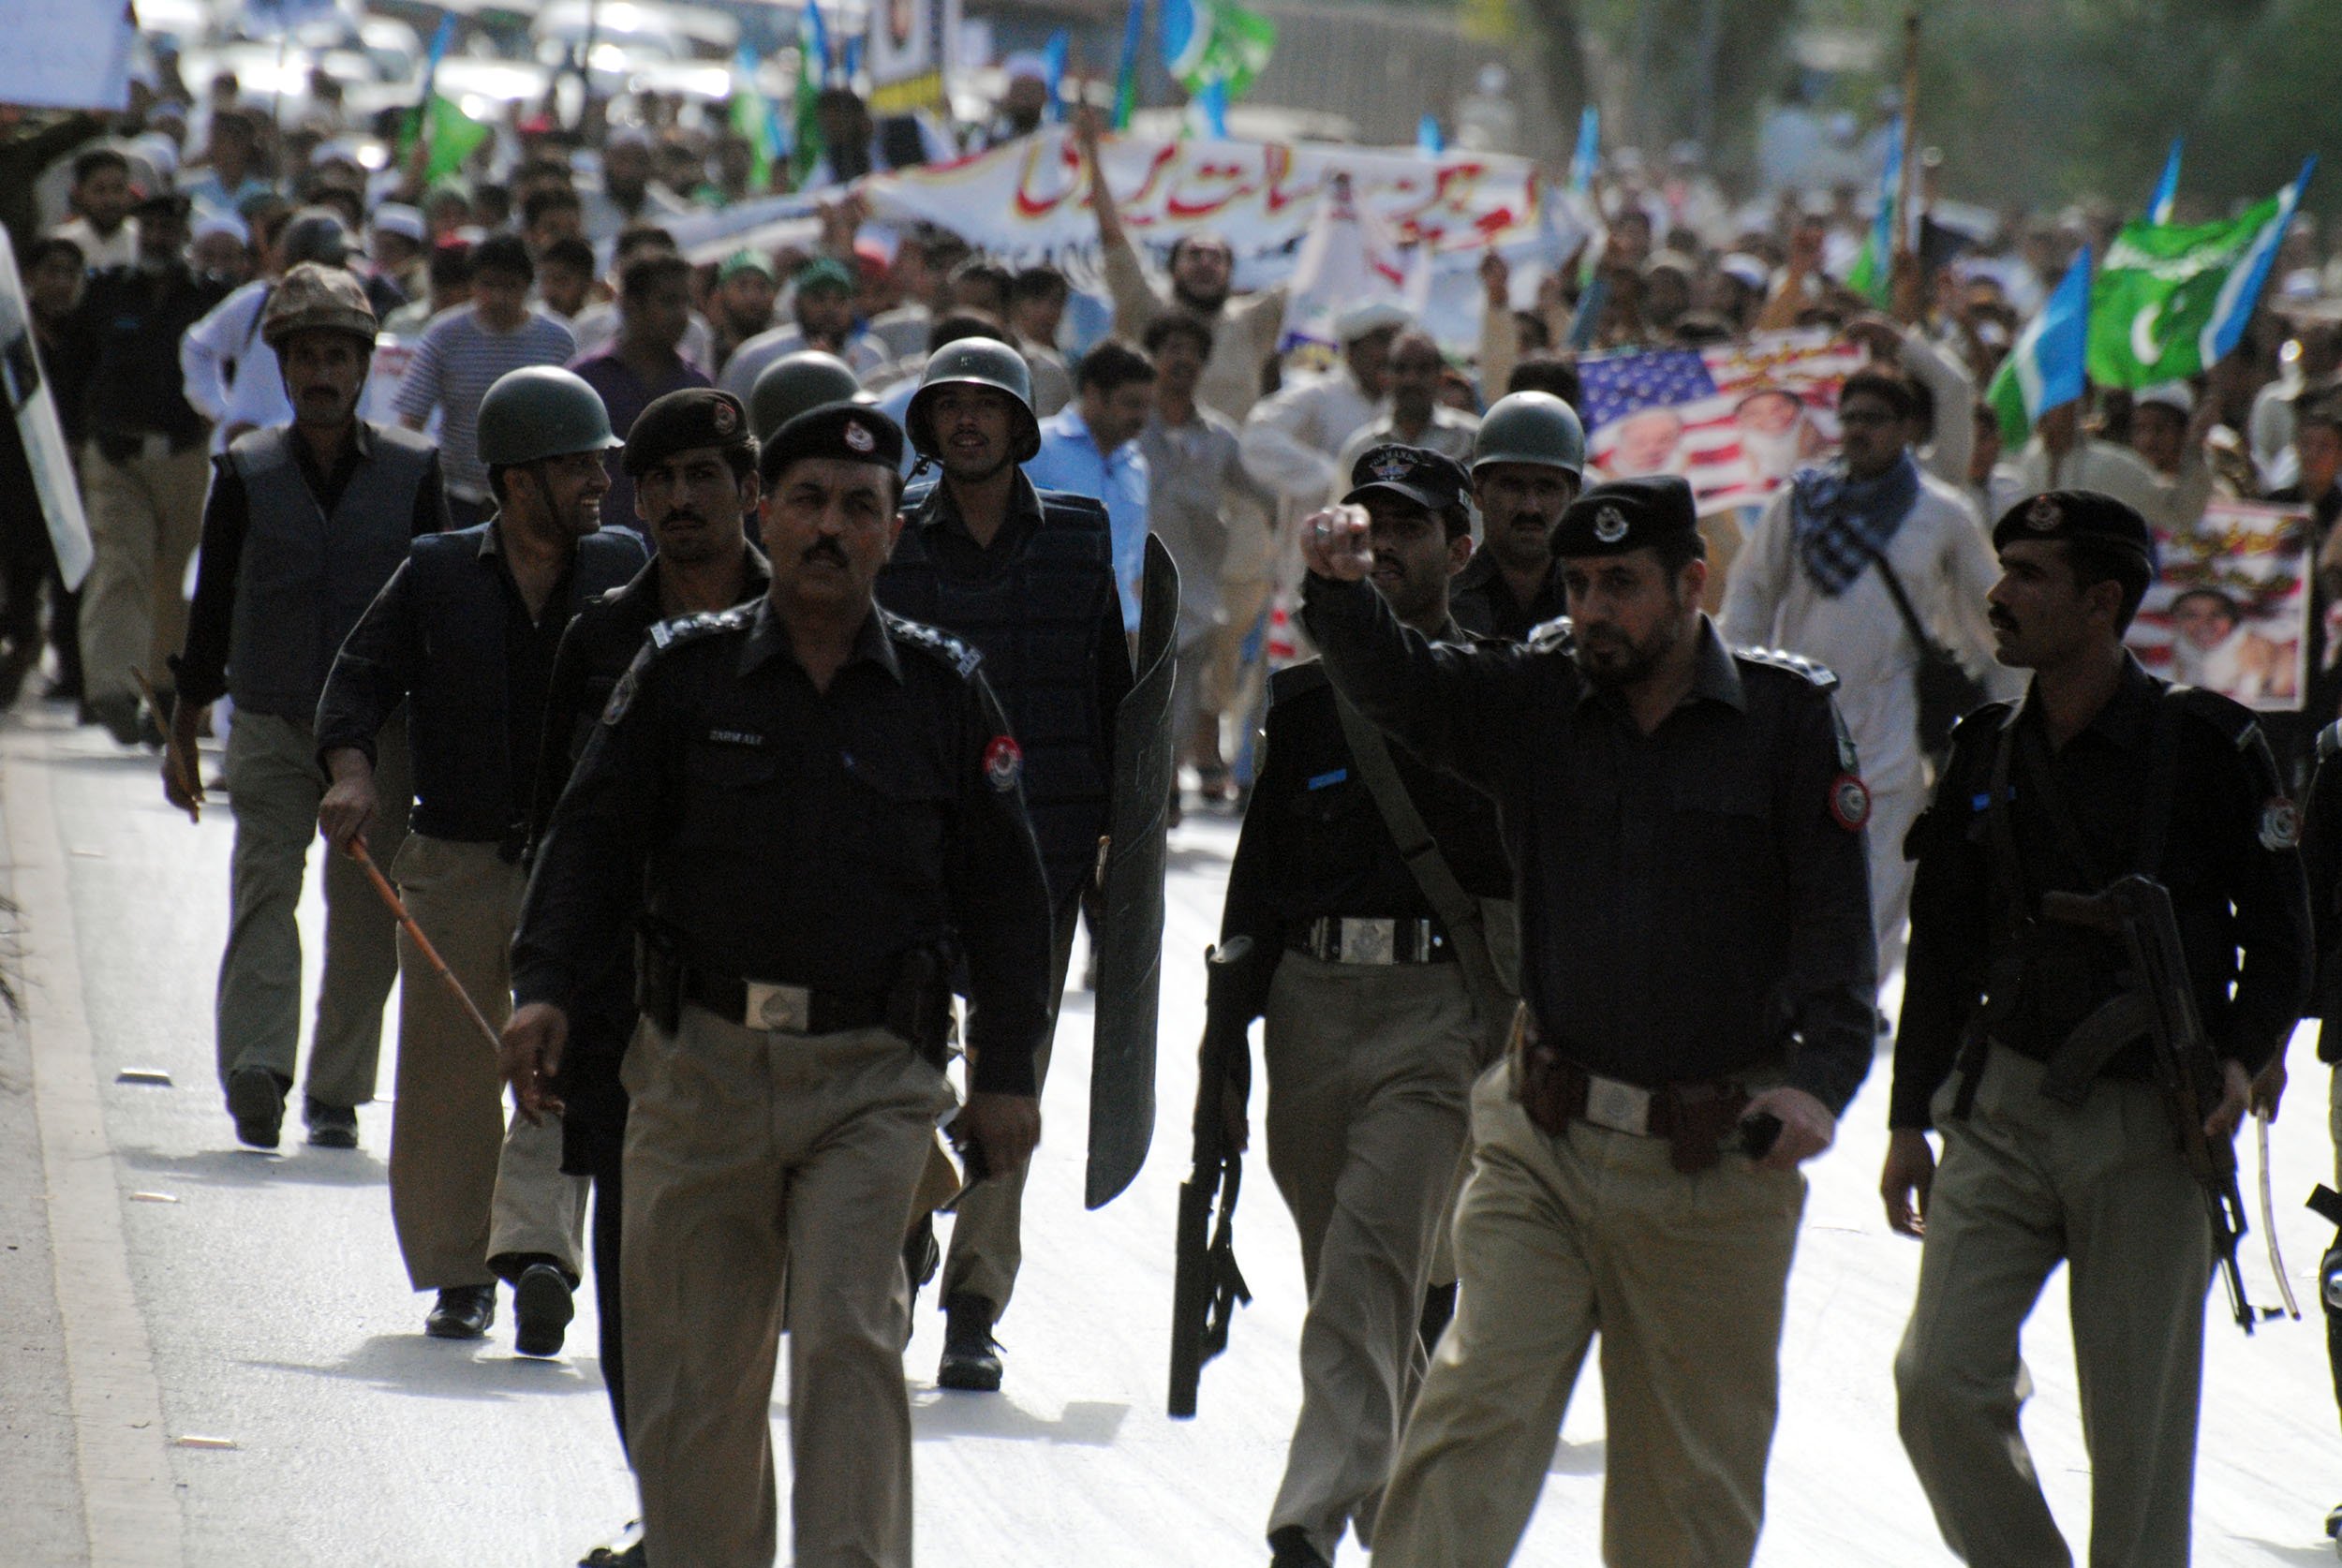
(1352, 940)
(1694, 1117)
(757, 1004)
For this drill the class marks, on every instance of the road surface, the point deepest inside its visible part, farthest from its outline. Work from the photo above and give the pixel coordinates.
(210, 1357)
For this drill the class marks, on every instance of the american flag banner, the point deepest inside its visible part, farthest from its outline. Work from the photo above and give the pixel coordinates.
(1735, 419)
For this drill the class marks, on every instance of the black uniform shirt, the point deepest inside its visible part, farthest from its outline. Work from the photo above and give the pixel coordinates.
(2229, 860)
(1483, 601)
(598, 648)
(1691, 904)
(1315, 842)
(126, 331)
(800, 836)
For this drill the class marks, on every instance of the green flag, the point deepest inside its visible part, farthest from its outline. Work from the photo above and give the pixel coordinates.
(1206, 41)
(2173, 300)
(1873, 275)
(450, 137)
(753, 121)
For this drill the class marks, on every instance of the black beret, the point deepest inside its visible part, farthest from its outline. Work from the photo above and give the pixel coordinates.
(2079, 517)
(1415, 473)
(852, 431)
(1626, 514)
(694, 417)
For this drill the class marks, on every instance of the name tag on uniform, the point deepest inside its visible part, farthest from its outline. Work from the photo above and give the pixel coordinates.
(1619, 1107)
(736, 737)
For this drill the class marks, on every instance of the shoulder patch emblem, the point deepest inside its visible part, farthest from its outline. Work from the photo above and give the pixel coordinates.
(1849, 802)
(2280, 824)
(622, 694)
(1003, 763)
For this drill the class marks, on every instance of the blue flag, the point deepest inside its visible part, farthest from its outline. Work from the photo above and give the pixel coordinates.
(2044, 370)
(1589, 153)
(1427, 137)
(1126, 69)
(2166, 189)
(1053, 56)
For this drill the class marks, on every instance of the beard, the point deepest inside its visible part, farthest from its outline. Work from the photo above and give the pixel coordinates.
(1207, 305)
(1612, 659)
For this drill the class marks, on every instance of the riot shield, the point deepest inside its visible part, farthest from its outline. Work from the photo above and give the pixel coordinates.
(1129, 937)
(33, 406)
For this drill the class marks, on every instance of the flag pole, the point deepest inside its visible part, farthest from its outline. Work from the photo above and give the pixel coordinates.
(1904, 210)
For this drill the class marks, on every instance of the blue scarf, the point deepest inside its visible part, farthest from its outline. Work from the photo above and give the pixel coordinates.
(1841, 521)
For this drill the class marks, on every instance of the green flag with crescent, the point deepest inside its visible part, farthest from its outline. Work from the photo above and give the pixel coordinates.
(2171, 300)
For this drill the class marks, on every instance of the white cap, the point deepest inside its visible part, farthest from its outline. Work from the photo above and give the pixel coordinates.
(1024, 63)
(2176, 396)
(628, 136)
(397, 217)
(1372, 317)
(210, 220)
(1747, 269)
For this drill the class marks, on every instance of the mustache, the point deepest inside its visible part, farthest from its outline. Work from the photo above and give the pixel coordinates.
(681, 514)
(825, 550)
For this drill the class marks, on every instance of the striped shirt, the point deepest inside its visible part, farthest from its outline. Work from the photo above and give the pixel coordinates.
(454, 365)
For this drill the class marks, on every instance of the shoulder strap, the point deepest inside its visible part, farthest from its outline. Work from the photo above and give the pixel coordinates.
(1458, 910)
(1903, 600)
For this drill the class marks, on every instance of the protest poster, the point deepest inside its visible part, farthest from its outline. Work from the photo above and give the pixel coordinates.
(1027, 200)
(2228, 610)
(908, 52)
(1735, 419)
(82, 60)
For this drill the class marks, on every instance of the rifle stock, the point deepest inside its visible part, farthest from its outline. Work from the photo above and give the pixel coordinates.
(2188, 1069)
(1207, 1285)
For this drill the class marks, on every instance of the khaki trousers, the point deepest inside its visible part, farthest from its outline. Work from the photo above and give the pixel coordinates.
(988, 1245)
(1684, 1278)
(463, 1188)
(746, 1148)
(1370, 1076)
(274, 786)
(2025, 1184)
(145, 517)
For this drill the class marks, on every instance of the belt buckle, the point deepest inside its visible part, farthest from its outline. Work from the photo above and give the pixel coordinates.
(1369, 941)
(779, 1007)
(1619, 1107)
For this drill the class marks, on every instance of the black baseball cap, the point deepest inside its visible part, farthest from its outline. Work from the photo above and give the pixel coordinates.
(1417, 474)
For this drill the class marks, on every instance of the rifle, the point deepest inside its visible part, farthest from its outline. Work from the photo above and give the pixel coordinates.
(1207, 1284)
(2158, 1002)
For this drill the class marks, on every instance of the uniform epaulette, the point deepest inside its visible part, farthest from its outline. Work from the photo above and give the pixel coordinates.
(939, 645)
(1296, 680)
(1549, 636)
(688, 628)
(2330, 740)
(1820, 675)
(2237, 722)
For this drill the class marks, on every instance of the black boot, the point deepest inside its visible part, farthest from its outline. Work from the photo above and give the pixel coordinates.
(1290, 1547)
(1439, 1310)
(256, 1098)
(463, 1312)
(542, 1308)
(971, 1361)
(922, 1257)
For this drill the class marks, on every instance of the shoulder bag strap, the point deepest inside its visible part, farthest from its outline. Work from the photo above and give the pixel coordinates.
(1458, 910)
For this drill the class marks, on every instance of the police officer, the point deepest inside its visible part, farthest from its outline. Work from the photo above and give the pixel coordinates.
(808, 800)
(2101, 770)
(695, 488)
(1528, 460)
(1027, 578)
(465, 634)
(1375, 1026)
(795, 382)
(1685, 827)
(304, 524)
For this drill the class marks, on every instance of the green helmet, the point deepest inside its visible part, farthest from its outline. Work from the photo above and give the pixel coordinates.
(540, 411)
(795, 382)
(1530, 428)
(975, 362)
